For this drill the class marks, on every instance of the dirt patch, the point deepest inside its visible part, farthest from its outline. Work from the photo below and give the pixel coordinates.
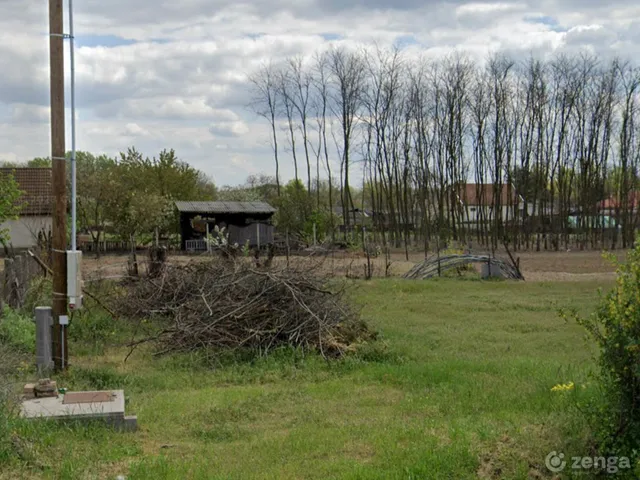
(568, 266)
(491, 462)
(494, 462)
(359, 451)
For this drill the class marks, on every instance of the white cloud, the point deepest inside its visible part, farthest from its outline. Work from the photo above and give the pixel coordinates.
(484, 8)
(183, 83)
(229, 129)
(134, 130)
(24, 113)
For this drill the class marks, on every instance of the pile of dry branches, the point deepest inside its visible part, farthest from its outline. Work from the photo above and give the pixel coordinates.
(220, 304)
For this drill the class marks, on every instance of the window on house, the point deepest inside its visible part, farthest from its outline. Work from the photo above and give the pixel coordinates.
(472, 209)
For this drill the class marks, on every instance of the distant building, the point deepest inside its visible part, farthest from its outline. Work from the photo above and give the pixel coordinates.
(484, 202)
(244, 222)
(612, 205)
(36, 206)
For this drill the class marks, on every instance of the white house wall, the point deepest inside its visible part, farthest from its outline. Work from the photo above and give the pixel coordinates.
(23, 233)
(472, 214)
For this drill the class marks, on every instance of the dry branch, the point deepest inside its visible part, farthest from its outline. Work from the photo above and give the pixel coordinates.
(225, 305)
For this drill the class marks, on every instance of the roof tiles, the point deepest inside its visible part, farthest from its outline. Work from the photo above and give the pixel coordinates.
(36, 184)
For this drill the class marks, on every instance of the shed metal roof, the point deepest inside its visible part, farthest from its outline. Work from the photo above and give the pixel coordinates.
(224, 207)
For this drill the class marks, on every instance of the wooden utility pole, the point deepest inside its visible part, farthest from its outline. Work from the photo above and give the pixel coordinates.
(58, 160)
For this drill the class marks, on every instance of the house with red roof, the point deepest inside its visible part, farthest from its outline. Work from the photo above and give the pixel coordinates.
(35, 206)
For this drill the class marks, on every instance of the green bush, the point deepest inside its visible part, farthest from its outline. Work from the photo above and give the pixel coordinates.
(615, 326)
(18, 330)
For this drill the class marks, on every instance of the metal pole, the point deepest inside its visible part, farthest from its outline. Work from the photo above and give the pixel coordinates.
(73, 126)
(62, 335)
(58, 160)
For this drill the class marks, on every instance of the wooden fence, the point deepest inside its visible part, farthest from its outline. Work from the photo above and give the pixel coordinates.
(117, 246)
(18, 273)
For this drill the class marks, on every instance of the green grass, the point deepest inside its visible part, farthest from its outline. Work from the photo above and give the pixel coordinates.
(462, 390)
(17, 330)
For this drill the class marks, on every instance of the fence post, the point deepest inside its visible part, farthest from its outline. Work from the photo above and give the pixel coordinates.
(44, 324)
(207, 239)
(2, 276)
(21, 280)
(9, 282)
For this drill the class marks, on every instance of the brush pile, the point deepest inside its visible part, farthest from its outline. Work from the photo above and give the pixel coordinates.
(224, 305)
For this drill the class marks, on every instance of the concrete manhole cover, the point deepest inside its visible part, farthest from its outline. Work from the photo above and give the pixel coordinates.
(87, 397)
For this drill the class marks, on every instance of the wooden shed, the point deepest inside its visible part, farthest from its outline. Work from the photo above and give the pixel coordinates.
(244, 222)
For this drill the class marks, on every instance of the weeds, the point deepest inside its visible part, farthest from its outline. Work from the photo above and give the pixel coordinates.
(11, 361)
(96, 378)
(18, 331)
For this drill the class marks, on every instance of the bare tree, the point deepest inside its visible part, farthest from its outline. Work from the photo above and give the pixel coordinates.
(322, 108)
(265, 103)
(298, 95)
(348, 71)
(286, 89)
(545, 141)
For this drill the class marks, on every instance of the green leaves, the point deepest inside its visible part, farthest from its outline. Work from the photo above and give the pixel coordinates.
(615, 327)
(9, 209)
(133, 195)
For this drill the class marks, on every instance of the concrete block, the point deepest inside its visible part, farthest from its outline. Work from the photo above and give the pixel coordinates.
(28, 391)
(130, 423)
(46, 388)
(110, 412)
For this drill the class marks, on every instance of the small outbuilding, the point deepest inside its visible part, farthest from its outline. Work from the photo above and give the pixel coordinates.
(245, 222)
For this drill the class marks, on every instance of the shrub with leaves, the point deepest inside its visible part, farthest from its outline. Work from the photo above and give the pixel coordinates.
(9, 208)
(615, 326)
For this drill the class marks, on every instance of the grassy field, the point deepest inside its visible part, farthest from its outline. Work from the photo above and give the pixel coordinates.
(461, 390)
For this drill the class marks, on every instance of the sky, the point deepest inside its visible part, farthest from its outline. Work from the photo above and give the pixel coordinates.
(158, 74)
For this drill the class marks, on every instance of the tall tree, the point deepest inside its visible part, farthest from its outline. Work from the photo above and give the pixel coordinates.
(348, 72)
(265, 102)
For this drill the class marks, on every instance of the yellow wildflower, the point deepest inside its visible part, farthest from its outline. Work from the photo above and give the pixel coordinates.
(563, 387)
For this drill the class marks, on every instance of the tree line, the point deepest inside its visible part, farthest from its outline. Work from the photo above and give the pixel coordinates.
(560, 136)
(130, 197)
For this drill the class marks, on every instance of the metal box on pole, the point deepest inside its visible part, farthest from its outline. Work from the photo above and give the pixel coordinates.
(74, 279)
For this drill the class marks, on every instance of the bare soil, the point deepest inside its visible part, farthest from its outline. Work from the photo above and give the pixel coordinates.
(536, 266)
